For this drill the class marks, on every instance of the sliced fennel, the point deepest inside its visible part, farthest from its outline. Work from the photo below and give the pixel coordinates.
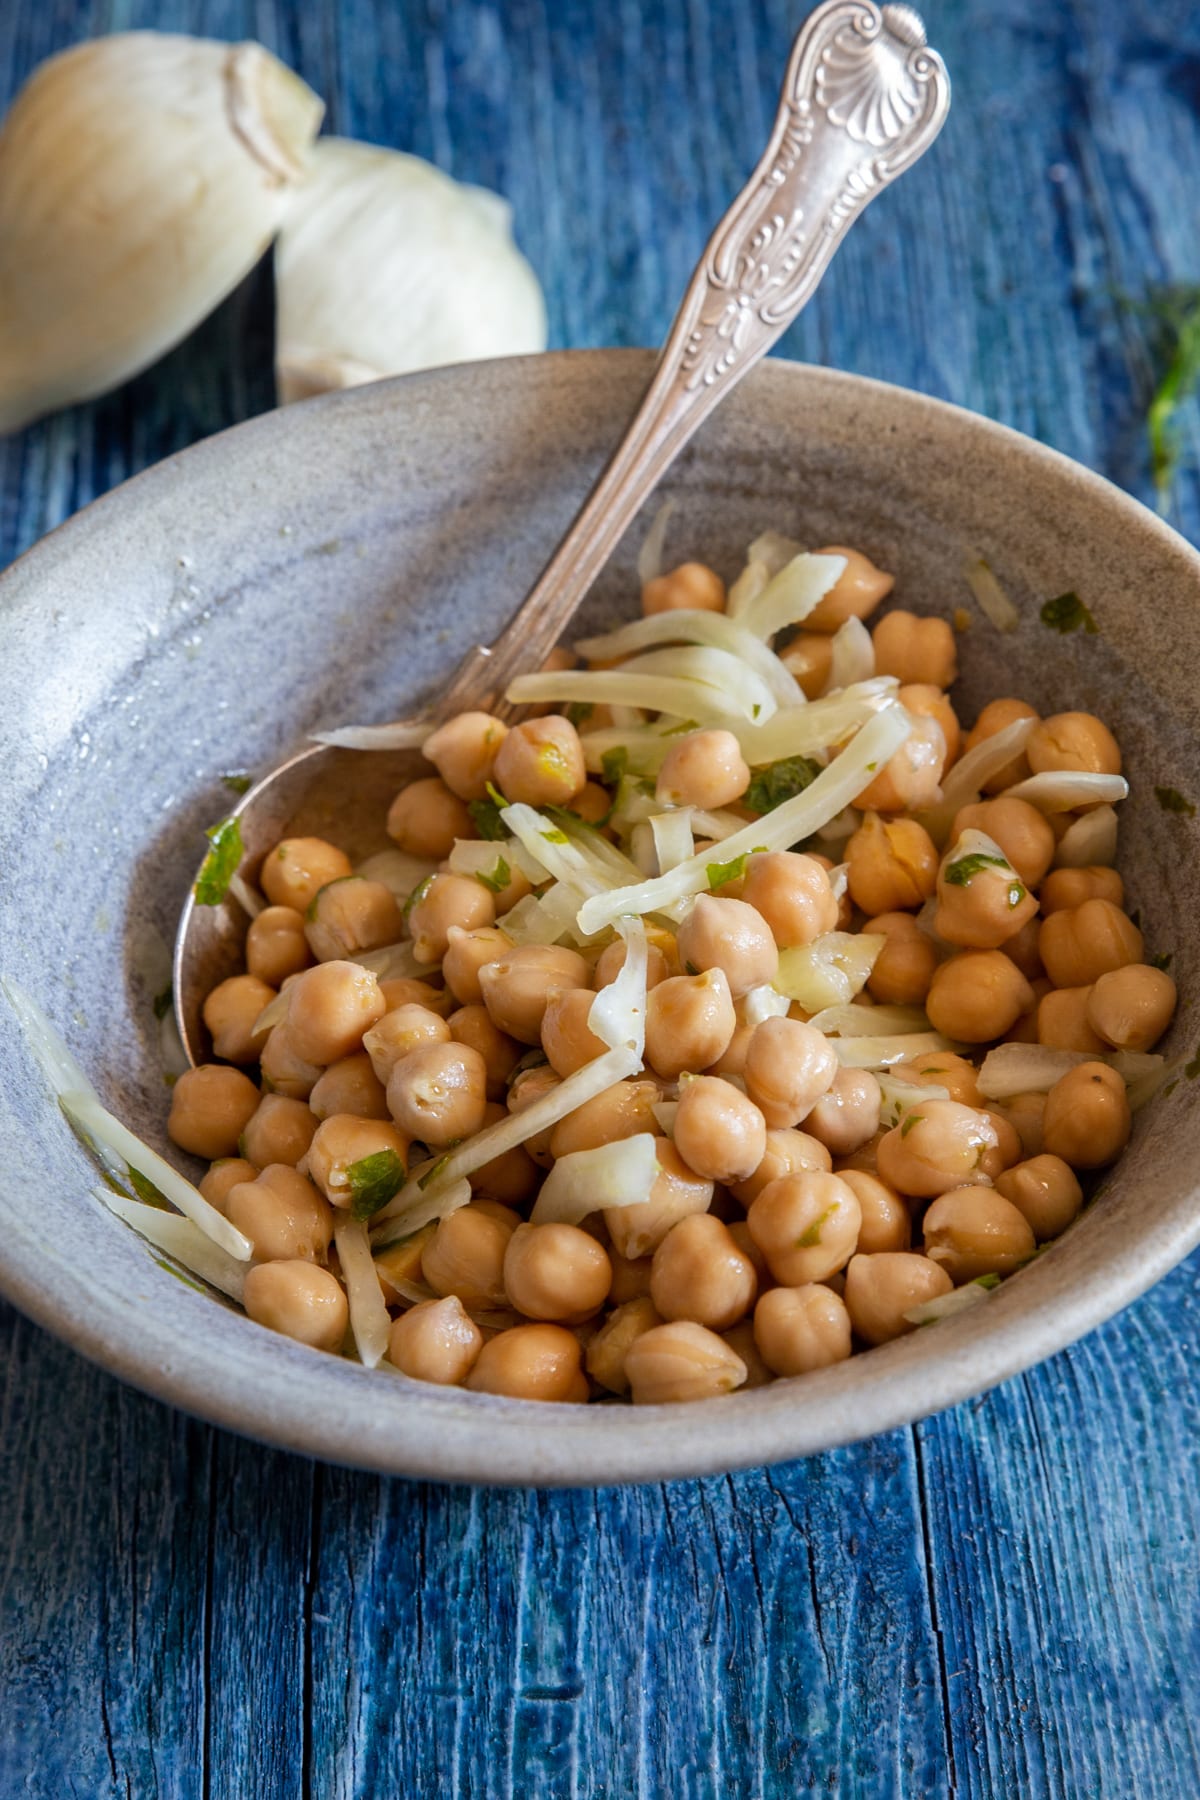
(853, 656)
(829, 971)
(616, 687)
(392, 962)
(672, 834)
(369, 1319)
(405, 734)
(397, 870)
(898, 1096)
(588, 1181)
(808, 730)
(963, 785)
(650, 556)
(425, 1209)
(1034, 1068)
(789, 596)
(956, 1301)
(869, 1021)
(764, 1002)
(993, 602)
(1089, 841)
(1062, 790)
(883, 1052)
(690, 625)
(179, 1238)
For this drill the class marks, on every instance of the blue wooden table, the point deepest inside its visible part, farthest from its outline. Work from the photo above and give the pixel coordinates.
(1002, 1602)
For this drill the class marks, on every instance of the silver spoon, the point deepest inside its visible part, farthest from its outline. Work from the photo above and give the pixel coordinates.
(863, 98)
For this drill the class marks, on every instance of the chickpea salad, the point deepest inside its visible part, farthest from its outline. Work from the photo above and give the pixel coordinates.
(735, 1011)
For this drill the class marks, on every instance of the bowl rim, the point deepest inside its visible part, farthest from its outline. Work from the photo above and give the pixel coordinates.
(447, 1436)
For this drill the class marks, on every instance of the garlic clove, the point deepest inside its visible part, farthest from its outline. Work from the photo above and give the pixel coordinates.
(385, 265)
(142, 175)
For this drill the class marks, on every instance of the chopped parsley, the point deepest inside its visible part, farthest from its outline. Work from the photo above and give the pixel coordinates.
(1160, 960)
(721, 873)
(780, 781)
(578, 712)
(555, 836)
(913, 1118)
(221, 864)
(684, 726)
(495, 796)
(1172, 801)
(959, 873)
(1067, 613)
(986, 1281)
(238, 781)
(164, 1002)
(417, 895)
(485, 816)
(499, 878)
(374, 1180)
(808, 1240)
(146, 1191)
(613, 764)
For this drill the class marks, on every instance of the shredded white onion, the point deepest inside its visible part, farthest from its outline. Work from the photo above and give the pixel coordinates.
(397, 870)
(1034, 1068)
(1062, 790)
(994, 603)
(404, 734)
(672, 834)
(247, 897)
(180, 1239)
(436, 1203)
(869, 1021)
(369, 1319)
(883, 1052)
(765, 1002)
(588, 1181)
(392, 962)
(898, 1096)
(829, 971)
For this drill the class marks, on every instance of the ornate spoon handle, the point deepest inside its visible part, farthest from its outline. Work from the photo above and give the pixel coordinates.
(863, 98)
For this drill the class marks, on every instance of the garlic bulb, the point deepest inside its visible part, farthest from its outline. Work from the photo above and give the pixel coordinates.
(385, 265)
(141, 176)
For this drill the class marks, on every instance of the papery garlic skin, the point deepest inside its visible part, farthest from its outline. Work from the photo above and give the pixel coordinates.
(385, 265)
(141, 177)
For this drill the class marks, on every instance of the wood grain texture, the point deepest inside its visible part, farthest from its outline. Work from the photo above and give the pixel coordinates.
(1000, 1603)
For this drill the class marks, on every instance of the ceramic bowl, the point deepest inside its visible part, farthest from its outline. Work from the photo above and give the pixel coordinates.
(331, 562)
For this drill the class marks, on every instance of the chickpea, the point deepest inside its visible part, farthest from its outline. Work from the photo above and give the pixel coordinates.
(1022, 832)
(1008, 1145)
(279, 1132)
(541, 762)
(923, 700)
(787, 1153)
(435, 1341)
(621, 1111)
(880, 1289)
(342, 1140)
(1130, 1008)
(911, 778)
(886, 1221)
(729, 935)
(718, 1131)
(1068, 888)
(226, 1173)
(809, 657)
(211, 1106)
(1045, 1192)
(443, 901)
(400, 1031)
(1087, 1120)
(295, 871)
(915, 650)
(699, 1273)
(806, 1225)
(973, 1231)
(1073, 740)
(692, 586)
(438, 1093)
(904, 968)
(350, 915)
(230, 1012)
(799, 1329)
(630, 1276)
(1062, 1020)
(996, 715)
(865, 1158)
(528, 1088)
(401, 990)
(556, 1272)
(276, 946)
(282, 1214)
(704, 768)
(612, 960)
(1081, 943)
(606, 1352)
(284, 1069)
(300, 1301)
(516, 989)
(531, 1362)
(329, 1010)
(936, 1149)
(847, 1114)
(789, 1066)
(942, 1068)
(681, 1361)
(1022, 949)
(977, 996)
(980, 905)
(349, 1086)
(854, 595)
(401, 1262)
(466, 1256)
(467, 952)
(567, 1039)
(732, 1060)
(739, 1231)
(791, 892)
(689, 1022)
(473, 1025)
(464, 750)
(512, 1177)
(639, 1229)
(425, 818)
(1026, 1115)
(891, 864)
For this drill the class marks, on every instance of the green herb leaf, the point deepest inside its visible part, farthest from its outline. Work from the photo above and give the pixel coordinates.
(720, 873)
(146, 1191)
(417, 895)
(680, 730)
(579, 712)
(1177, 311)
(495, 796)
(913, 1118)
(780, 781)
(221, 864)
(164, 1002)
(238, 781)
(499, 878)
(1172, 801)
(613, 765)
(374, 1180)
(967, 867)
(1160, 960)
(1067, 613)
(986, 1281)
(485, 815)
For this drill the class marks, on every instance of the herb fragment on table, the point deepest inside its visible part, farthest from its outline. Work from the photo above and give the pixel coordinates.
(221, 864)
(238, 781)
(1172, 801)
(1177, 313)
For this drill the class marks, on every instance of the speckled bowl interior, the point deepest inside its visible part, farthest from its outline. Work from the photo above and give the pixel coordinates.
(332, 562)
